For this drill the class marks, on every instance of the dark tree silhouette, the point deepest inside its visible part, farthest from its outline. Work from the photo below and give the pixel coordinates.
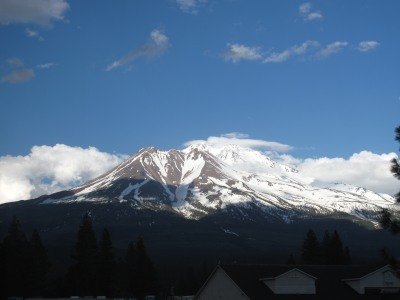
(82, 275)
(2, 272)
(145, 272)
(338, 257)
(38, 266)
(130, 279)
(389, 220)
(14, 253)
(347, 257)
(310, 249)
(326, 249)
(106, 265)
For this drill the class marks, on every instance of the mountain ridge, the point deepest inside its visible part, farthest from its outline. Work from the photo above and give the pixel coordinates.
(203, 179)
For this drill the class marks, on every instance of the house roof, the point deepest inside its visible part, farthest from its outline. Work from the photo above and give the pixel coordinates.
(328, 283)
(291, 270)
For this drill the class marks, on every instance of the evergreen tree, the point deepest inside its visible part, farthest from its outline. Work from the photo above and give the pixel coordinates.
(106, 265)
(338, 257)
(347, 257)
(130, 282)
(2, 272)
(389, 220)
(326, 249)
(38, 265)
(83, 273)
(310, 249)
(14, 253)
(145, 272)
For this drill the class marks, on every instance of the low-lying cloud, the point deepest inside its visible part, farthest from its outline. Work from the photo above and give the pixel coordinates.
(48, 169)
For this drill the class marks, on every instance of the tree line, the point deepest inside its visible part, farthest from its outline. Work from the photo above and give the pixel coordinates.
(328, 251)
(95, 271)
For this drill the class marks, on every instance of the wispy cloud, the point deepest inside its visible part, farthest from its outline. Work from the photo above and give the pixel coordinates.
(18, 72)
(366, 46)
(33, 34)
(190, 6)
(296, 50)
(41, 12)
(331, 49)
(238, 52)
(159, 42)
(308, 50)
(308, 14)
(46, 65)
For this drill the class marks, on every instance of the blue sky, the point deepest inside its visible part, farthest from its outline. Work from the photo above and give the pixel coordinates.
(321, 76)
(338, 105)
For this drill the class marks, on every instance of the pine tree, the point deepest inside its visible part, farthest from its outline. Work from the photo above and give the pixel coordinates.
(389, 220)
(130, 283)
(106, 265)
(145, 272)
(2, 272)
(14, 252)
(338, 257)
(326, 249)
(310, 249)
(347, 257)
(83, 272)
(38, 265)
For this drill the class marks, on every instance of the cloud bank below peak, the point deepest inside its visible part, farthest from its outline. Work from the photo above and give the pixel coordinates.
(48, 169)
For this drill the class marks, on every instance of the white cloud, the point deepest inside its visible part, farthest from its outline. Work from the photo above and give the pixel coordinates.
(307, 14)
(159, 42)
(331, 49)
(237, 52)
(296, 50)
(46, 65)
(365, 46)
(305, 8)
(363, 169)
(33, 34)
(41, 12)
(314, 16)
(278, 57)
(49, 169)
(242, 140)
(190, 6)
(18, 73)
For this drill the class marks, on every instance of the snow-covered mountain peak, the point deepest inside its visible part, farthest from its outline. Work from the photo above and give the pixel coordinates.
(202, 179)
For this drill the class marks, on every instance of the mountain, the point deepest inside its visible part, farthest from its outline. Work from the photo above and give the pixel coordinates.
(207, 203)
(202, 180)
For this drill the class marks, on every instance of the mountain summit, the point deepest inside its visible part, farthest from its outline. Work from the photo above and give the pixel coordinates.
(202, 179)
